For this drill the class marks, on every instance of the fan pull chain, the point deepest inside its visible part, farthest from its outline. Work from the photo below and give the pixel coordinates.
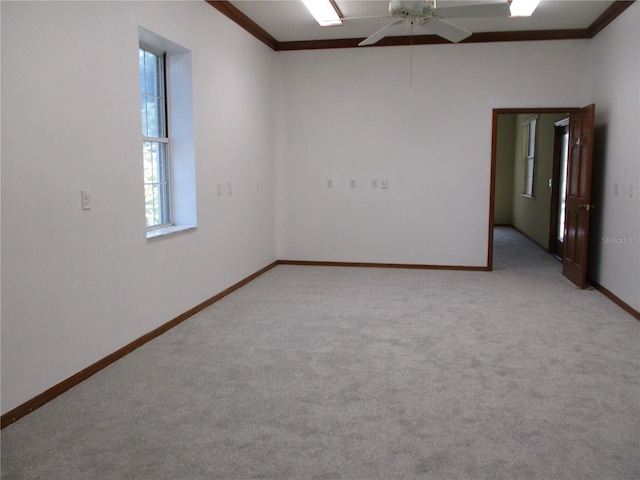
(411, 61)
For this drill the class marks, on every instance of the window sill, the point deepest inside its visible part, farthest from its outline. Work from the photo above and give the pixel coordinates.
(173, 229)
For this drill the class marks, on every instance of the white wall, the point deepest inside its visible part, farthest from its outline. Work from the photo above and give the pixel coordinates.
(615, 239)
(349, 114)
(77, 285)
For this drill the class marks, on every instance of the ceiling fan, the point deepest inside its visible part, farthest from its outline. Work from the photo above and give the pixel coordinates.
(425, 14)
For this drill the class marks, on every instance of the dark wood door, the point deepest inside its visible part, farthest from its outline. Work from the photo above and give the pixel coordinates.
(578, 198)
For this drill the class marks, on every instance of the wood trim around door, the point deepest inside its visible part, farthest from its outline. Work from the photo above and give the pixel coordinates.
(559, 127)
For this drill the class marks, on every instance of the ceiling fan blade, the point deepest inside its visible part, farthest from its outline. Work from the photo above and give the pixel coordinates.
(447, 30)
(348, 19)
(379, 35)
(496, 9)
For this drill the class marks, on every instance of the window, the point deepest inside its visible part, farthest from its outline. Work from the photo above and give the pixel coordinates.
(530, 130)
(562, 186)
(155, 139)
(168, 153)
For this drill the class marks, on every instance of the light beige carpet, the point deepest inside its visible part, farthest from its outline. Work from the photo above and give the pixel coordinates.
(363, 373)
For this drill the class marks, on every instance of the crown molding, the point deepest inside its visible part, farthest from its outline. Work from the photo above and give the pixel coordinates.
(231, 12)
(616, 8)
(608, 16)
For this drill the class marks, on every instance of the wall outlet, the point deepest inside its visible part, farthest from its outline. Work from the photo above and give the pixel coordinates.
(329, 183)
(616, 188)
(374, 183)
(384, 183)
(85, 195)
(352, 183)
(631, 190)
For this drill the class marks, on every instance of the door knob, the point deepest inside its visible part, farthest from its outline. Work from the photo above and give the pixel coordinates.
(586, 206)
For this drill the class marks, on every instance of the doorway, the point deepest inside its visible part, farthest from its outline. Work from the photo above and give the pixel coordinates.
(534, 190)
(559, 188)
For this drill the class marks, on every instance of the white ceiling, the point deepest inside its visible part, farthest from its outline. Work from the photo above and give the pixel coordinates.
(289, 20)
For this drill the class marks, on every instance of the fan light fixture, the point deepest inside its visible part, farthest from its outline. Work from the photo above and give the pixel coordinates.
(324, 12)
(523, 8)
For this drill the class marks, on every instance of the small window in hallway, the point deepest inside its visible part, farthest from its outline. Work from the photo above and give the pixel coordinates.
(530, 130)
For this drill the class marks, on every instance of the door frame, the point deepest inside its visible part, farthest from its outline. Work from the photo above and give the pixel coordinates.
(561, 126)
(494, 147)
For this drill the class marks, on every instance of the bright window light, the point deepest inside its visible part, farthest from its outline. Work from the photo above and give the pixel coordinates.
(523, 8)
(323, 12)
